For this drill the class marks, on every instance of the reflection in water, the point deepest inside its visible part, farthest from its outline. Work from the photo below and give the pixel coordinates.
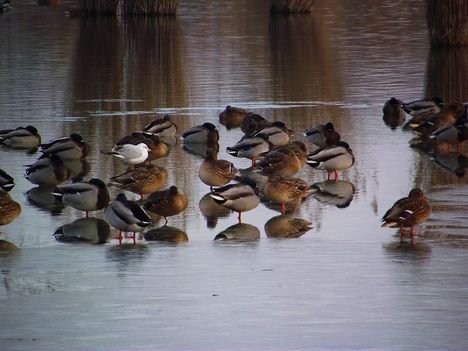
(447, 74)
(78, 168)
(339, 193)
(90, 229)
(239, 232)
(166, 233)
(127, 257)
(286, 226)
(7, 246)
(42, 198)
(199, 149)
(212, 211)
(452, 162)
(405, 251)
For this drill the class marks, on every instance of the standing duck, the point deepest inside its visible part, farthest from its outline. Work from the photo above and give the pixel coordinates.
(47, 171)
(142, 180)
(126, 216)
(6, 181)
(214, 172)
(202, 134)
(166, 203)
(84, 196)
(251, 147)
(241, 197)
(20, 138)
(163, 127)
(332, 159)
(408, 212)
(282, 162)
(67, 148)
(447, 116)
(277, 132)
(452, 134)
(232, 116)
(393, 113)
(323, 135)
(9, 209)
(286, 190)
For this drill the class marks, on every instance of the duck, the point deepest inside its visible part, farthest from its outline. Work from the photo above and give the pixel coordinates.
(241, 197)
(251, 147)
(323, 135)
(21, 138)
(67, 148)
(126, 216)
(9, 209)
(131, 154)
(286, 190)
(298, 147)
(452, 134)
(232, 116)
(157, 148)
(447, 116)
(215, 172)
(393, 113)
(283, 162)
(47, 171)
(417, 107)
(253, 123)
(332, 159)
(166, 203)
(277, 132)
(142, 180)
(5, 5)
(7, 182)
(85, 196)
(163, 127)
(202, 134)
(408, 212)
(286, 226)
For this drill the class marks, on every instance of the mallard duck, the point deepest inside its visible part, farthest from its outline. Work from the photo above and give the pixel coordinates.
(452, 134)
(126, 216)
(417, 107)
(283, 162)
(90, 229)
(232, 116)
(251, 147)
(6, 181)
(393, 113)
(9, 209)
(214, 172)
(166, 203)
(163, 127)
(332, 159)
(202, 134)
(253, 123)
(47, 171)
(286, 190)
(67, 148)
(20, 138)
(131, 154)
(241, 197)
(84, 196)
(277, 132)
(298, 147)
(286, 226)
(447, 116)
(157, 148)
(142, 180)
(408, 212)
(323, 135)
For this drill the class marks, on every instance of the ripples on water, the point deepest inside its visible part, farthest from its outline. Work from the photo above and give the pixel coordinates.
(344, 284)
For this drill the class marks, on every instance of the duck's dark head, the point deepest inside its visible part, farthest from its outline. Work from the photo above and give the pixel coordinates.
(31, 130)
(209, 126)
(98, 182)
(173, 190)
(329, 127)
(76, 138)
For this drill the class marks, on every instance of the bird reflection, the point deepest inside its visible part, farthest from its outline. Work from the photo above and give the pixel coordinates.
(42, 198)
(127, 256)
(167, 234)
(212, 211)
(406, 250)
(452, 162)
(89, 229)
(339, 193)
(78, 168)
(286, 226)
(239, 232)
(199, 149)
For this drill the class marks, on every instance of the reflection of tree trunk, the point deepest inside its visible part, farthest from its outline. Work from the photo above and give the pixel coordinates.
(447, 74)
(291, 6)
(447, 22)
(99, 7)
(150, 7)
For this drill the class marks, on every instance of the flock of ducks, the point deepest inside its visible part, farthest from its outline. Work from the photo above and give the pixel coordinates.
(275, 160)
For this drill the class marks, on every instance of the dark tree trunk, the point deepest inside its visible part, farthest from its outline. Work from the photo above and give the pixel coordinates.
(291, 6)
(99, 7)
(447, 21)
